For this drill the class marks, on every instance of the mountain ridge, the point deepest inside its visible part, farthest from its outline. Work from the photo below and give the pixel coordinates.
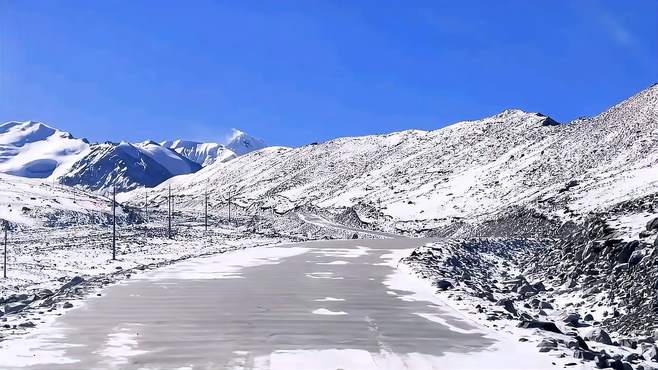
(472, 169)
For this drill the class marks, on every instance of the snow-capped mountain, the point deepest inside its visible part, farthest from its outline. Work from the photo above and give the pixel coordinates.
(241, 143)
(201, 153)
(473, 170)
(127, 166)
(33, 149)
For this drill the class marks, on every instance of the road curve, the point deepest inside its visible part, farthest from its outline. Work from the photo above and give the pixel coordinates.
(313, 305)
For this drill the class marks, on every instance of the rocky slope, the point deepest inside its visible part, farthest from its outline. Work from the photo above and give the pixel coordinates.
(468, 173)
(522, 287)
(126, 166)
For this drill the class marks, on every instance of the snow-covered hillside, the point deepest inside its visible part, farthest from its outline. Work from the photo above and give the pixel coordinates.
(33, 149)
(201, 153)
(127, 166)
(474, 170)
(36, 202)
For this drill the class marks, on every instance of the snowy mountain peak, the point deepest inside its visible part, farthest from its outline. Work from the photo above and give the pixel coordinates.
(200, 153)
(34, 149)
(241, 143)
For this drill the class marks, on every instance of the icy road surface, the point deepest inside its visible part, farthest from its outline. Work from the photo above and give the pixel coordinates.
(315, 305)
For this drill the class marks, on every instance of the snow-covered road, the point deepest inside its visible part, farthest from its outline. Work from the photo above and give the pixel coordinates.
(313, 305)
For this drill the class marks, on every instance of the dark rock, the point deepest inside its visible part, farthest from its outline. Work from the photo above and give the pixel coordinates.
(508, 305)
(588, 317)
(636, 257)
(14, 307)
(539, 286)
(355, 236)
(27, 324)
(73, 282)
(632, 357)
(601, 361)
(615, 364)
(628, 342)
(653, 224)
(570, 318)
(624, 251)
(16, 298)
(597, 335)
(67, 305)
(44, 293)
(526, 290)
(581, 343)
(545, 305)
(548, 342)
(443, 284)
(543, 325)
(584, 355)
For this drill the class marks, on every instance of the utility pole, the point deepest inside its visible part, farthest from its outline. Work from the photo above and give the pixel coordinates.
(206, 216)
(114, 223)
(4, 269)
(229, 206)
(169, 211)
(146, 206)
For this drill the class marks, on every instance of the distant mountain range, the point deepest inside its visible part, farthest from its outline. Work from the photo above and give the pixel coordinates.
(36, 150)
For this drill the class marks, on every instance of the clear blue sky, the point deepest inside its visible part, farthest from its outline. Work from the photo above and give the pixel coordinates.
(303, 71)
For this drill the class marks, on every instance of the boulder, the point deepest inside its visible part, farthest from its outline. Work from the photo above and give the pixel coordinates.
(614, 364)
(14, 307)
(628, 342)
(601, 361)
(44, 293)
(443, 284)
(73, 282)
(539, 286)
(597, 335)
(548, 343)
(584, 355)
(570, 318)
(543, 325)
(508, 305)
(632, 357)
(653, 224)
(625, 250)
(649, 352)
(636, 257)
(67, 305)
(545, 305)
